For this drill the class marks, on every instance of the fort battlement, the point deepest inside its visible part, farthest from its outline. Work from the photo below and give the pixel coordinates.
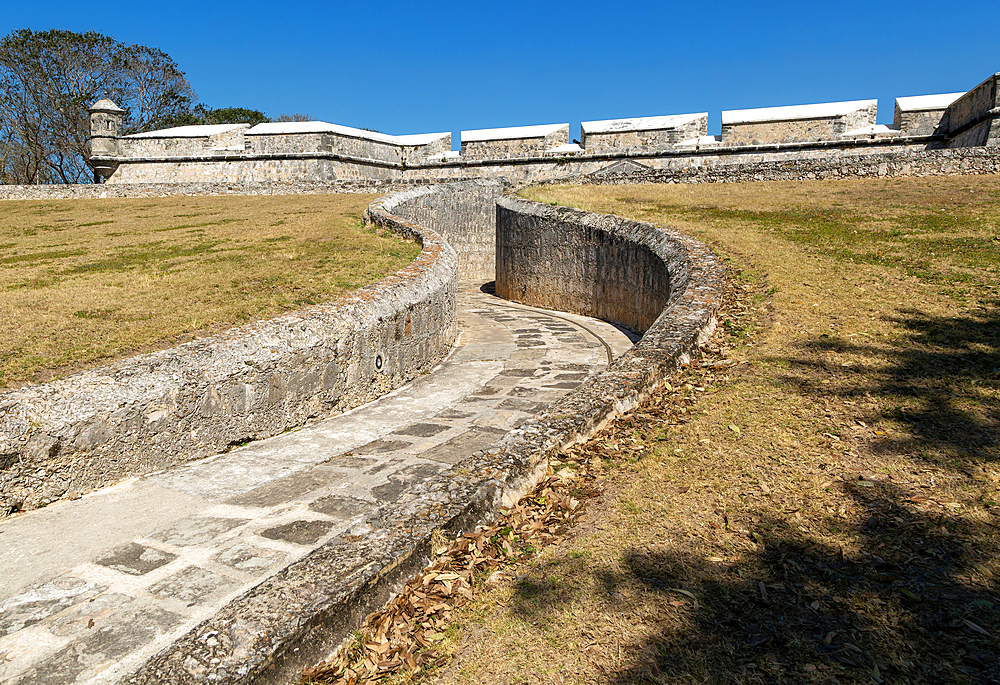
(316, 151)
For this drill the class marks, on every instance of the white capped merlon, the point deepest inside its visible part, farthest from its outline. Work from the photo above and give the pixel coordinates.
(825, 110)
(297, 127)
(511, 133)
(640, 123)
(924, 103)
(196, 131)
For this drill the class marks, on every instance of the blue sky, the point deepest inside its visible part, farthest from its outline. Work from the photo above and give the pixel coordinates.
(409, 67)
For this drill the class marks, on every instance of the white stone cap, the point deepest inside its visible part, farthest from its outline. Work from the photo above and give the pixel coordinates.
(293, 127)
(512, 132)
(453, 154)
(702, 140)
(640, 123)
(924, 103)
(876, 130)
(421, 138)
(197, 131)
(819, 111)
(563, 149)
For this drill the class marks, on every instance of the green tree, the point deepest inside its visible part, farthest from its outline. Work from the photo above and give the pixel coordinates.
(200, 115)
(48, 79)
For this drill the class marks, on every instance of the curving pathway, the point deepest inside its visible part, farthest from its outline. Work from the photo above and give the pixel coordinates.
(91, 589)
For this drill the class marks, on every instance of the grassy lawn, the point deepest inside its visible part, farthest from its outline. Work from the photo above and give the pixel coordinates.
(85, 282)
(817, 500)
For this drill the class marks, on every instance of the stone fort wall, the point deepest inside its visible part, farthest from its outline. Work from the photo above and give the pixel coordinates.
(322, 152)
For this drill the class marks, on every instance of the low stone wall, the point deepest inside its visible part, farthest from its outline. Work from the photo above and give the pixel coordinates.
(294, 619)
(97, 427)
(464, 214)
(95, 191)
(895, 163)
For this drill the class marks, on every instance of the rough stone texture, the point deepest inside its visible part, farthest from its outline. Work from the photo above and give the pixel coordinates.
(170, 146)
(603, 266)
(167, 189)
(925, 122)
(974, 118)
(96, 427)
(720, 169)
(461, 213)
(348, 146)
(655, 139)
(237, 167)
(292, 619)
(796, 130)
(507, 148)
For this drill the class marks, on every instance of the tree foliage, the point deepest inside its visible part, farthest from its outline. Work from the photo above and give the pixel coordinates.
(48, 80)
(286, 118)
(201, 114)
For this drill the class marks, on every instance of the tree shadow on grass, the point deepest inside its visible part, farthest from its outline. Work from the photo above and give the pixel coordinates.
(903, 606)
(910, 598)
(901, 609)
(939, 382)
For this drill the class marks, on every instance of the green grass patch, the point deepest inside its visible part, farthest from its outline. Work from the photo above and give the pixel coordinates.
(111, 278)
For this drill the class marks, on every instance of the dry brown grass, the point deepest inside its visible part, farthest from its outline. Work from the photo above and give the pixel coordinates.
(88, 281)
(816, 501)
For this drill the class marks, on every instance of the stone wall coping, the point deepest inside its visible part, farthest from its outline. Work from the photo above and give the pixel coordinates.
(640, 123)
(926, 103)
(196, 131)
(282, 128)
(421, 138)
(511, 133)
(821, 110)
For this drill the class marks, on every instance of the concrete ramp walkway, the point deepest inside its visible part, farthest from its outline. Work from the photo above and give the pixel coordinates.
(92, 589)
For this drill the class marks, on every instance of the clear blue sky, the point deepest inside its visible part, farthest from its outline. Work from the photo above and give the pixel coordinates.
(409, 67)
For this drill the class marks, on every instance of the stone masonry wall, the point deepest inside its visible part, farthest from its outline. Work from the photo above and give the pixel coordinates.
(363, 148)
(653, 139)
(919, 122)
(970, 120)
(93, 191)
(710, 165)
(898, 163)
(464, 214)
(604, 266)
(247, 170)
(97, 427)
(506, 148)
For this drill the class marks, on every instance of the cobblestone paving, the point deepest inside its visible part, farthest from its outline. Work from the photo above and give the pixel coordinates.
(90, 589)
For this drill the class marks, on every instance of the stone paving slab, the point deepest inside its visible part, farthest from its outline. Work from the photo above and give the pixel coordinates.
(90, 589)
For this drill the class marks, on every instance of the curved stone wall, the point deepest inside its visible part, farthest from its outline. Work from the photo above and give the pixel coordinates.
(97, 427)
(296, 618)
(463, 213)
